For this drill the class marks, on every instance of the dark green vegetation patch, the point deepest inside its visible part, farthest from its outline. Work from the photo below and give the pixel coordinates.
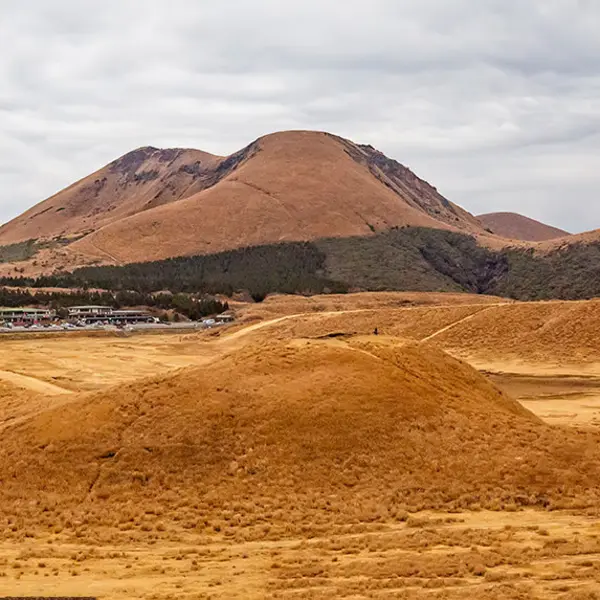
(18, 252)
(401, 259)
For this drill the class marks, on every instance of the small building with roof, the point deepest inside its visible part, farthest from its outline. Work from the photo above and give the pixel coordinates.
(82, 312)
(27, 316)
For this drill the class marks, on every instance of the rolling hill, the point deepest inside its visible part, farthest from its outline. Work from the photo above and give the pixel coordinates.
(519, 227)
(152, 204)
(294, 429)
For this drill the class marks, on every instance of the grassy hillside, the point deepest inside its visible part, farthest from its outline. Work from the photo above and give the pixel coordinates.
(401, 259)
(567, 274)
(412, 258)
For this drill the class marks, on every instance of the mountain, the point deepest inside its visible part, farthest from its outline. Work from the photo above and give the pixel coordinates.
(153, 204)
(519, 227)
(587, 238)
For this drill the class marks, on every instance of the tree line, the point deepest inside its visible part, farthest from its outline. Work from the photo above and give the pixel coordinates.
(295, 267)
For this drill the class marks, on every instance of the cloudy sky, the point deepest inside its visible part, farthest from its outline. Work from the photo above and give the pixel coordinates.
(496, 102)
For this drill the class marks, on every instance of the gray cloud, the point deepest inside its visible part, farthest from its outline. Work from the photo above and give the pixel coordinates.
(496, 102)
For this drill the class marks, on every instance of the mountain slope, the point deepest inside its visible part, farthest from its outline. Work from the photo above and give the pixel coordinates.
(287, 186)
(519, 227)
(572, 241)
(140, 180)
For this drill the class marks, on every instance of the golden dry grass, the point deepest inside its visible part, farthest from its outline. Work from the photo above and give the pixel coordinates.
(85, 362)
(280, 304)
(290, 463)
(526, 555)
(365, 432)
(559, 334)
(406, 323)
(16, 402)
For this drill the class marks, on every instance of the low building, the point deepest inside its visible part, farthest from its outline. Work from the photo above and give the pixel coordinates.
(105, 314)
(26, 316)
(84, 312)
(129, 317)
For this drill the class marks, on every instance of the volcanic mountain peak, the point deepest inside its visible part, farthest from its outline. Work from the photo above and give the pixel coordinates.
(156, 203)
(131, 162)
(418, 192)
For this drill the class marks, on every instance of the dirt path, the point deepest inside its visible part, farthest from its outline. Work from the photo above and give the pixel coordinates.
(459, 322)
(241, 333)
(105, 362)
(260, 325)
(231, 340)
(33, 384)
(113, 258)
(252, 328)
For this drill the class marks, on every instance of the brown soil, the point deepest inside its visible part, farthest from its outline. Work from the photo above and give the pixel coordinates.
(560, 400)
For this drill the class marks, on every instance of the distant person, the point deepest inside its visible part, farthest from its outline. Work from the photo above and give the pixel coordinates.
(376, 331)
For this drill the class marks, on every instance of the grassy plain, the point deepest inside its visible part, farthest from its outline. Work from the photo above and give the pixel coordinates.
(238, 546)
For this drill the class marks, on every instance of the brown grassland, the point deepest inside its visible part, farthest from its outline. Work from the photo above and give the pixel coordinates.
(295, 454)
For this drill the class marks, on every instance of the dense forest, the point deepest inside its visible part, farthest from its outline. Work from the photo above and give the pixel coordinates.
(408, 258)
(287, 268)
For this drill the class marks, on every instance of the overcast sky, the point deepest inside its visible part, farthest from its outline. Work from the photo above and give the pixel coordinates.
(495, 102)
